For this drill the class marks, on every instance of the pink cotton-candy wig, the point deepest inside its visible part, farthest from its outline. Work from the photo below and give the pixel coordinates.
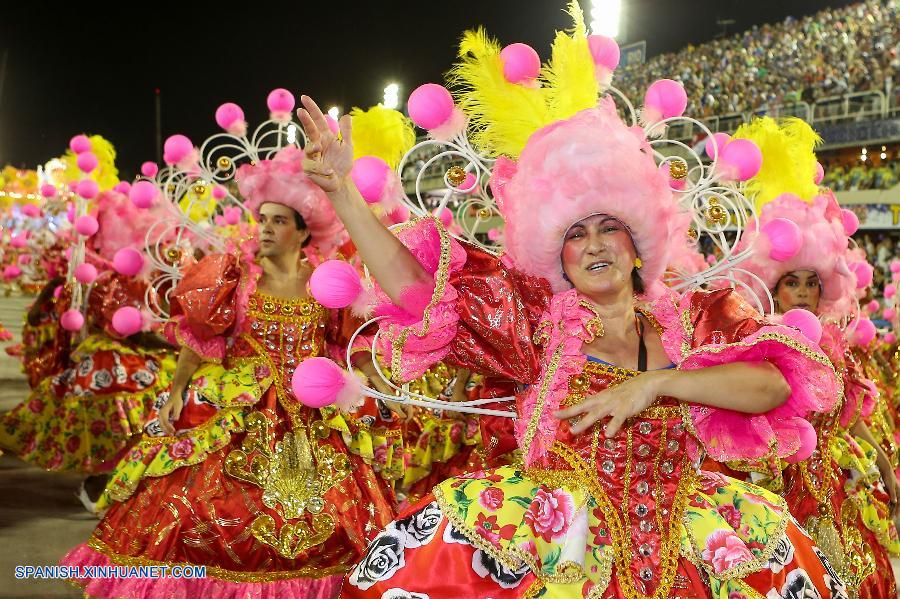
(122, 224)
(281, 180)
(591, 163)
(823, 250)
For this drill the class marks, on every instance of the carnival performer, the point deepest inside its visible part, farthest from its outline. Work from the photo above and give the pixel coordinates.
(81, 418)
(620, 389)
(836, 493)
(235, 474)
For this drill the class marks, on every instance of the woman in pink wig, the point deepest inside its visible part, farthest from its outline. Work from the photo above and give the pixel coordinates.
(622, 383)
(233, 473)
(836, 493)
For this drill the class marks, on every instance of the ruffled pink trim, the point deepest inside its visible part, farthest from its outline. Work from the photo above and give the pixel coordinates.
(185, 588)
(568, 327)
(860, 397)
(425, 344)
(246, 288)
(209, 349)
(730, 435)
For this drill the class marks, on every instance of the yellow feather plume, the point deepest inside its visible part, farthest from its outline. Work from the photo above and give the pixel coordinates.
(789, 159)
(569, 76)
(106, 174)
(502, 115)
(382, 132)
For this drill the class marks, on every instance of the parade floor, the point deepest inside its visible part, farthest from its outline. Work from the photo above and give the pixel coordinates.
(40, 516)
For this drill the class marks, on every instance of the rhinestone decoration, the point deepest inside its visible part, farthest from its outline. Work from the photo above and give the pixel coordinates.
(641, 510)
(609, 444)
(646, 575)
(608, 467)
(643, 451)
(646, 526)
(642, 488)
(673, 446)
(641, 469)
(646, 550)
(667, 467)
(645, 428)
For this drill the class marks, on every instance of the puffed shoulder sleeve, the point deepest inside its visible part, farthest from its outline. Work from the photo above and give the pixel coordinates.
(477, 312)
(720, 327)
(203, 305)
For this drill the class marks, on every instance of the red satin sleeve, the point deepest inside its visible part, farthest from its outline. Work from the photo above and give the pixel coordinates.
(110, 292)
(721, 316)
(204, 304)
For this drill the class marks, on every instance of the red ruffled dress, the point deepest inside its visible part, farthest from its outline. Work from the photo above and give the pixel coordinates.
(82, 418)
(626, 517)
(256, 487)
(837, 494)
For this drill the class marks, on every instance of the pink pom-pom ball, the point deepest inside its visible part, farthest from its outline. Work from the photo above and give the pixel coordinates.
(25, 259)
(806, 321)
(70, 212)
(370, 174)
(127, 321)
(820, 173)
(335, 284)
(232, 215)
(493, 234)
(73, 186)
(229, 116)
(863, 272)
(219, 192)
(665, 98)
(80, 144)
(85, 273)
(57, 291)
(890, 339)
(317, 382)
(11, 272)
(177, 148)
(19, 241)
(48, 191)
(890, 290)
(850, 221)
(31, 211)
(123, 187)
(889, 314)
(87, 162)
(785, 238)
(149, 169)
(741, 159)
(715, 144)
(807, 437)
(872, 306)
(604, 51)
(430, 105)
(280, 101)
(128, 262)
(864, 333)
(86, 225)
(895, 266)
(72, 320)
(469, 184)
(520, 63)
(88, 189)
(68, 253)
(711, 259)
(143, 194)
(445, 216)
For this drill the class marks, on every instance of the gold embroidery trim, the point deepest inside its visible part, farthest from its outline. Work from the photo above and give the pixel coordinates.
(221, 573)
(535, 417)
(442, 275)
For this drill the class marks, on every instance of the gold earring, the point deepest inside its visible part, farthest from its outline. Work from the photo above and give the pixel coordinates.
(638, 263)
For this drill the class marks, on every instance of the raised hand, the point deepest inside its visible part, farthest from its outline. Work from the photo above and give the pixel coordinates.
(620, 402)
(329, 157)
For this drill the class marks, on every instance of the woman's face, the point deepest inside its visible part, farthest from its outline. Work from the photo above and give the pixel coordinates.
(278, 232)
(798, 289)
(598, 256)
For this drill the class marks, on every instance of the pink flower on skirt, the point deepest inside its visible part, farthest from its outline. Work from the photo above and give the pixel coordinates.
(725, 550)
(491, 498)
(182, 449)
(731, 515)
(98, 427)
(36, 406)
(549, 513)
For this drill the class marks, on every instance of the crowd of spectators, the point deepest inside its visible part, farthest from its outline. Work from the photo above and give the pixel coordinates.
(861, 175)
(830, 53)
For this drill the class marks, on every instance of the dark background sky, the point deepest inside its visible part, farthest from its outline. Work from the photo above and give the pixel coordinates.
(71, 71)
